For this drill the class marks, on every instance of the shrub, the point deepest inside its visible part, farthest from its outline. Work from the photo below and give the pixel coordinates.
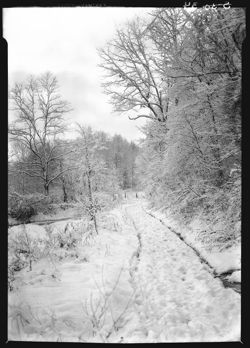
(26, 244)
(105, 200)
(21, 207)
(66, 235)
(53, 198)
(15, 264)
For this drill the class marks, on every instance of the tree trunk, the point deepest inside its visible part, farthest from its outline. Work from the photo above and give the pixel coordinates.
(45, 178)
(95, 223)
(132, 177)
(92, 212)
(46, 189)
(88, 173)
(65, 196)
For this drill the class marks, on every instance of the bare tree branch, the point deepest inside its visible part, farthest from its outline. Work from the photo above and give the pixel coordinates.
(40, 110)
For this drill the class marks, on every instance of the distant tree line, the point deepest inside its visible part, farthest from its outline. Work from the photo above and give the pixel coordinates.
(42, 160)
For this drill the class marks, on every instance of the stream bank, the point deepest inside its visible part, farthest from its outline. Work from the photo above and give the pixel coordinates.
(236, 286)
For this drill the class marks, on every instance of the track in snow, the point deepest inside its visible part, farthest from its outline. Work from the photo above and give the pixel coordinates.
(222, 276)
(177, 298)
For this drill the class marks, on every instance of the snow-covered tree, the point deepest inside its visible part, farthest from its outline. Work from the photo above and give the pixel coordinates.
(39, 122)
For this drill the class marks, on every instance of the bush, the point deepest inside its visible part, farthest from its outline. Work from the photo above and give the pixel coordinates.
(21, 207)
(105, 200)
(53, 198)
(11, 278)
(15, 264)
(65, 235)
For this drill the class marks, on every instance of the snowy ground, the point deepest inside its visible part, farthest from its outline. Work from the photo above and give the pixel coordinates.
(134, 282)
(223, 258)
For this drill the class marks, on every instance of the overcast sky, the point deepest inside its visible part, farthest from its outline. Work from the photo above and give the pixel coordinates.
(64, 41)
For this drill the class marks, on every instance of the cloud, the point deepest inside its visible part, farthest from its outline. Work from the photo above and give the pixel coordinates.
(64, 41)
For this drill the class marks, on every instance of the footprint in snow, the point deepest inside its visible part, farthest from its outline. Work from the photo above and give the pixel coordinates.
(182, 269)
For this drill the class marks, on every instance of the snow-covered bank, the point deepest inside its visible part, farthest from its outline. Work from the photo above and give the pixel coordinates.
(84, 298)
(177, 298)
(222, 260)
(60, 212)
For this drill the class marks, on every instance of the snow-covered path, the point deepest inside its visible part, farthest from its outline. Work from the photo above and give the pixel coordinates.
(150, 284)
(177, 298)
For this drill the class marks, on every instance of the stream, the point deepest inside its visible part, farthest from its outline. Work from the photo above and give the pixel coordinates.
(236, 286)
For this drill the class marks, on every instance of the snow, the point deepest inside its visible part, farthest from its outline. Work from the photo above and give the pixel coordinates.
(62, 290)
(225, 260)
(180, 299)
(235, 277)
(69, 211)
(33, 231)
(222, 261)
(134, 282)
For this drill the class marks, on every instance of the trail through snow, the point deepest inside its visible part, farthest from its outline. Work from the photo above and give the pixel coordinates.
(177, 298)
(152, 287)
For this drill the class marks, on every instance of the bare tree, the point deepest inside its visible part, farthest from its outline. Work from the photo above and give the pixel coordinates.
(40, 110)
(16, 178)
(88, 171)
(133, 81)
